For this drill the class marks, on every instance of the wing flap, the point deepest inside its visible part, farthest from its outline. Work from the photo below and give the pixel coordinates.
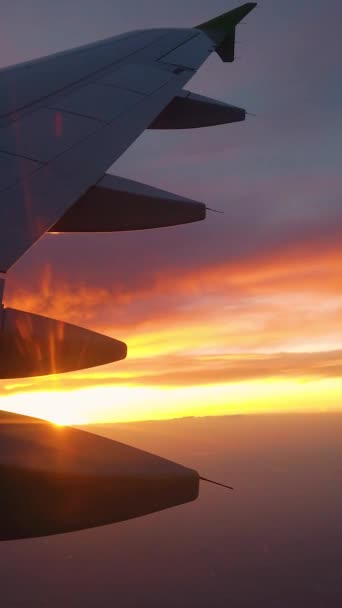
(98, 102)
(14, 169)
(141, 78)
(45, 134)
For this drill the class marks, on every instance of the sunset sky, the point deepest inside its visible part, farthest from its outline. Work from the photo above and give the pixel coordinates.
(243, 312)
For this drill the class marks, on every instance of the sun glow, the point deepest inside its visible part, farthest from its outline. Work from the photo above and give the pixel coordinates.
(127, 403)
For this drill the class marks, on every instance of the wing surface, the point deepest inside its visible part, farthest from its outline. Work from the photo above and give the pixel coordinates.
(65, 119)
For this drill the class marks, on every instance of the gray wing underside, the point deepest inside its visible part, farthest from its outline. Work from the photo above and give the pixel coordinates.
(66, 119)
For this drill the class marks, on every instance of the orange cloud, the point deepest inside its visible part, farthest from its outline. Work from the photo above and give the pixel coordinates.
(205, 332)
(291, 298)
(309, 267)
(220, 325)
(186, 371)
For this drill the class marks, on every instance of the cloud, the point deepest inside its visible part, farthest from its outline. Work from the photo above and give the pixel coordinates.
(153, 295)
(261, 219)
(211, 325)
(188, 371)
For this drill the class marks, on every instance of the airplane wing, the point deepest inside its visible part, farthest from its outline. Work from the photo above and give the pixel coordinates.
(64, 120)
(67, 118)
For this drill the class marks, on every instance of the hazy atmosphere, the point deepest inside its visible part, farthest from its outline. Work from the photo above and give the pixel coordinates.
(275, 541)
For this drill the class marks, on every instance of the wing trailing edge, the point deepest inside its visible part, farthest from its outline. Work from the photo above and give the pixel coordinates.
(222, 30)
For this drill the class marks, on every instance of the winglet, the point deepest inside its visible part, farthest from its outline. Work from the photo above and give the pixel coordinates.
(222, 30)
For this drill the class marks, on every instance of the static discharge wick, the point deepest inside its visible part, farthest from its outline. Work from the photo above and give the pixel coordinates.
(214, 210)
(216, 483)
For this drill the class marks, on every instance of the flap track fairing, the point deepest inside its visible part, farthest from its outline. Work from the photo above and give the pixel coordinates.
(32, 345)
(116, 204)
(192, 111)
